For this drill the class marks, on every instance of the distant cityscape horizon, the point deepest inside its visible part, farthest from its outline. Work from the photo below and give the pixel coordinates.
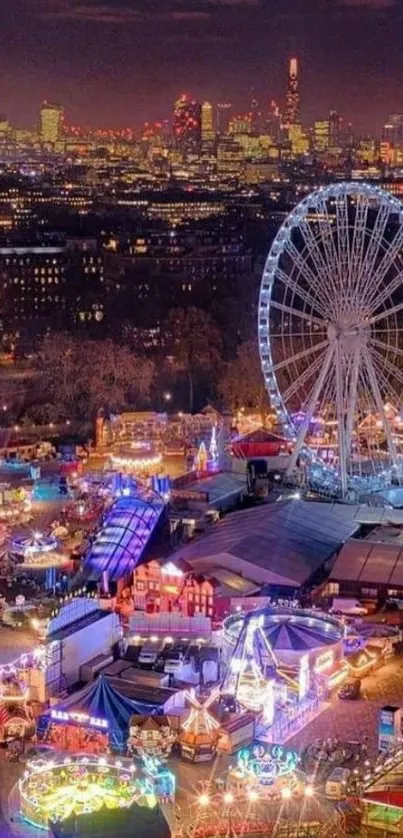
(240, 105)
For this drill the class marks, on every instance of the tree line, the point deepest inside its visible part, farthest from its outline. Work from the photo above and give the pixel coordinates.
(75, 376)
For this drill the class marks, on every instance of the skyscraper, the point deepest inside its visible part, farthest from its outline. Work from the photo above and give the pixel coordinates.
(187, 125)
(255, 116)
(321, 135)
(52, 117)
(292, 98)
(223, 117)
(393, 130)
(335, 129)
(207, 131)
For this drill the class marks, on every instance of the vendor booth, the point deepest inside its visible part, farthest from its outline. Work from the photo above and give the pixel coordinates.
(151, 735)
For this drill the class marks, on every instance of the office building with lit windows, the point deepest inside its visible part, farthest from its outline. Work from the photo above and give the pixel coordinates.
(321, 135)
(207, 129)
(32, 282)
(49, 288)
(51, 123)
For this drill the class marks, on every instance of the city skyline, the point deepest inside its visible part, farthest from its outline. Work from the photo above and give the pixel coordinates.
(122, 62)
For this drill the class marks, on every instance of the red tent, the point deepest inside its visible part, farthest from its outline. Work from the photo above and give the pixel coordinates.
(259, 443)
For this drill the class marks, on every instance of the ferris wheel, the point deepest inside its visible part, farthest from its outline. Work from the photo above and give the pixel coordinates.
(330, 338)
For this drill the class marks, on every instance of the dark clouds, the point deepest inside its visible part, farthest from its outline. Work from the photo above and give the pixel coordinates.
(119, 62)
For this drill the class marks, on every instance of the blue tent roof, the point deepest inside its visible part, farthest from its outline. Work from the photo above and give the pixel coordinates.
(124, 535)
(102, 701)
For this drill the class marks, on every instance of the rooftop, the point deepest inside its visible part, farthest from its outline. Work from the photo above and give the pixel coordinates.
(281, 543)
(374, 562)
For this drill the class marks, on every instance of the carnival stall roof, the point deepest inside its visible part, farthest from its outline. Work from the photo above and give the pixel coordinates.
(123, 537)
(99, 701)
(374, 562)
(259, 443)
(281, 543)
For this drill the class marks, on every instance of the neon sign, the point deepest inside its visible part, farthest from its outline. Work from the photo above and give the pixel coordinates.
(78, 718)
(303, 679)
(324, 662)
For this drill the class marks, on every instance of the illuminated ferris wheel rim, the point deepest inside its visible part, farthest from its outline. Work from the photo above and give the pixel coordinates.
(340, 282)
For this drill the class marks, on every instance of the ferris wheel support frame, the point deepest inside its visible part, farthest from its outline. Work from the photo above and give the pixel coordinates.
(341, 411)
(310, 411)
(379, 403)
(352, 400)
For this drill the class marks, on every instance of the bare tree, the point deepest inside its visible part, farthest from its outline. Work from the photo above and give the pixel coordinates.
(194, 341)
(241, 383)
(76, 377)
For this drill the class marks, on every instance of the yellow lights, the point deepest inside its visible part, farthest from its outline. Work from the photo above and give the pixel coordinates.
(154, 638)
(228, 797)
(204, 800)
(136, 463)
(253, 796)
(309, 791)
(324, 662)
(286, 793)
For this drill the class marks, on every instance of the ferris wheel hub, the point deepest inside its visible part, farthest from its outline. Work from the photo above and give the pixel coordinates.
(349, 336)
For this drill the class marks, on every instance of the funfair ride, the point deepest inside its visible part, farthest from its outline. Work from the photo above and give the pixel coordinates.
(330, 308)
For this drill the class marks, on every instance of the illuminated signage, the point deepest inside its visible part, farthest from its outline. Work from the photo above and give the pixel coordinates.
(78, 718)
(324, 662)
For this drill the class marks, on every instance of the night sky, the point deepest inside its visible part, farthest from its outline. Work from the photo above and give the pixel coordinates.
(118, 62)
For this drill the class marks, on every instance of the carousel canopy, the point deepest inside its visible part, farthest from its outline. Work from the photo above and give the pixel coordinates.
(299, 636)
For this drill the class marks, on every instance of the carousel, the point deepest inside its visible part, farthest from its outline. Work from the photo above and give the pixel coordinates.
(140, 458)
(282, 663)
(53, 790)
(39, 553)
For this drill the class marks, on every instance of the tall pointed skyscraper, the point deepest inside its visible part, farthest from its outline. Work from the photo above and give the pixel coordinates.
(292, 99)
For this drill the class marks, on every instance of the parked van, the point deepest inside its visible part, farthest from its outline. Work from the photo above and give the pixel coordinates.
(350, 607)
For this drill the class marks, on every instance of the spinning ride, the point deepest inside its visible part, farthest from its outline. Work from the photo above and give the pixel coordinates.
(330, 308)
(271, 773)
(53, 790)
(279, 662)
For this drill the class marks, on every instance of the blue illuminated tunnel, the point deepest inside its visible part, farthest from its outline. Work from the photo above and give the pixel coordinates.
(126, 530)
